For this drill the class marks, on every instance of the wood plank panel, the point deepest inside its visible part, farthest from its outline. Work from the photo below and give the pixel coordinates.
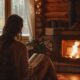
(58, 9)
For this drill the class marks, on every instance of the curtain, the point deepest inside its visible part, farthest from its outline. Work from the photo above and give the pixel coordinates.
(30, 15)
(25, 8)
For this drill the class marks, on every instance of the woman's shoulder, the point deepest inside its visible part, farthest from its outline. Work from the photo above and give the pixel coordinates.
(19, 44)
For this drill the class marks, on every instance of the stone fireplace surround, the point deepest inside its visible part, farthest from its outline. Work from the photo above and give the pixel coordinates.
(65, 64)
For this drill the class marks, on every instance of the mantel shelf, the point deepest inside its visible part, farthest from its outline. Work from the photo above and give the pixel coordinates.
(66, 32)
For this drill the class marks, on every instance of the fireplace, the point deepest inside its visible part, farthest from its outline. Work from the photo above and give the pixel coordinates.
(67, 47)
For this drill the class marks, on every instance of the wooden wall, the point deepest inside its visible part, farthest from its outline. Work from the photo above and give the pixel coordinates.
(57, 9)
(59, 14)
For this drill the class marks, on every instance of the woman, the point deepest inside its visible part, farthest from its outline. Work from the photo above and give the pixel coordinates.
(13, 54)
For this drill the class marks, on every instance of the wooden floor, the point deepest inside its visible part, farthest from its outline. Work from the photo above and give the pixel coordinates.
(68, 76)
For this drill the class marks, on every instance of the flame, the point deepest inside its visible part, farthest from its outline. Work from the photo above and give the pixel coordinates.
(74, 52)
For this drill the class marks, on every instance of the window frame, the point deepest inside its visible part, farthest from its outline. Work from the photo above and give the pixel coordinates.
(7, 10)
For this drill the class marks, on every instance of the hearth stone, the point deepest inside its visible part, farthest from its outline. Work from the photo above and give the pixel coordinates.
(68, 68)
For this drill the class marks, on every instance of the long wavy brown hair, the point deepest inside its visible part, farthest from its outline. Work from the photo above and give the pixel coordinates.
(11, 29)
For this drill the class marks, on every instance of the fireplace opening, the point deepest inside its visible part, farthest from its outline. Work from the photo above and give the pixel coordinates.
(71, 49)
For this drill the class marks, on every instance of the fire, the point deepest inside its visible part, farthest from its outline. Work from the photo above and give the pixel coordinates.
(74, 51)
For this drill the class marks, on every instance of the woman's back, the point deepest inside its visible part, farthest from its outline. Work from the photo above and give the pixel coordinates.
(13, 62)
(13, 54)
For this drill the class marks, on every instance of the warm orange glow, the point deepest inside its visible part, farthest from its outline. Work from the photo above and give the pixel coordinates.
(74, 51)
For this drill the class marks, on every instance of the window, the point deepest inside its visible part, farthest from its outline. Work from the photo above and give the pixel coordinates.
(8, 7)
(2, 14)
(19, 7)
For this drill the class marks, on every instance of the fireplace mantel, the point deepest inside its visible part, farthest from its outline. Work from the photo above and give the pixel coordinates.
(66, 32)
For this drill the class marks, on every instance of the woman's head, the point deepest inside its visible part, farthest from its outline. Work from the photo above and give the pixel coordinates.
(12, 29)
(13, 26)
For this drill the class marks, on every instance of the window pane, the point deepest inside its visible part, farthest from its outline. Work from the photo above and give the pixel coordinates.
(18, 7)
(2, 13)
